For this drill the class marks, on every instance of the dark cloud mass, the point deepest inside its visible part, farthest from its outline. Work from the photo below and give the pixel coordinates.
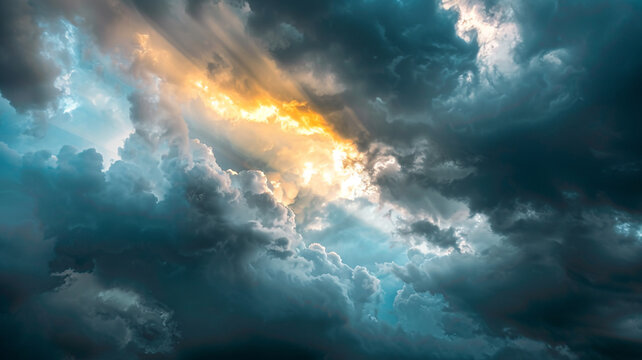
(507, 155)
(27, 77)
(402, 53)
(432, 233)
(556, 183)
(134, 274)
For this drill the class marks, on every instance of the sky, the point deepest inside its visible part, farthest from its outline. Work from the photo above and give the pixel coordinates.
(323, 179)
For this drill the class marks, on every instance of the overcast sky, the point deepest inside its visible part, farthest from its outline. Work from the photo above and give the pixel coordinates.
(323, 179)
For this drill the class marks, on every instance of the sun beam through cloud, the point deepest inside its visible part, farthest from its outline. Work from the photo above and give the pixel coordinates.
(328, 179)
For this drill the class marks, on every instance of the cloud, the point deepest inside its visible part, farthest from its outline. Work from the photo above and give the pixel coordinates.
(505, 130)
(119, 317)
(27, 76)
(550, 160)
(431, 233)
(192, 268)
(404, 54)
(563, 282)
(131, 260)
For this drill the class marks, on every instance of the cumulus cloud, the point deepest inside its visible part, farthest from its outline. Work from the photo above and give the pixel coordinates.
(543, 281)
(117, 316)
(500, 139)
(130, 259)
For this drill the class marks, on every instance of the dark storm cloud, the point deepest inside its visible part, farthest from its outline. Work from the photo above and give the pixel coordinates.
(433, 234)
(98, 266)
(548, 131)
(551, 156)
(528, 150)
(556, 161)
(182, 276)
(405, 53)
(109, 269)
(26, 76)
(565, 279)
(104, 313)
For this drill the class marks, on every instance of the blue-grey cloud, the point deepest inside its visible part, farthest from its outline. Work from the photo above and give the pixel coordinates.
(164, 254)
(27, 77)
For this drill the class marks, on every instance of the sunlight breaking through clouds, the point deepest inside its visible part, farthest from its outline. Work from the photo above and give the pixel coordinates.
(368, 179)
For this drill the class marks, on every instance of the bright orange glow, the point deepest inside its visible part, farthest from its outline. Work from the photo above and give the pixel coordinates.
(333, 166)
(293, 116)
(259, 110)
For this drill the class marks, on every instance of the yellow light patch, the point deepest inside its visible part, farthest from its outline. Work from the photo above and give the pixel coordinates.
(260, 110)
(334, 167)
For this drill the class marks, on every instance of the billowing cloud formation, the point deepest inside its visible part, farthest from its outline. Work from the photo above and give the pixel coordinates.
(413, 179)
(131, 261)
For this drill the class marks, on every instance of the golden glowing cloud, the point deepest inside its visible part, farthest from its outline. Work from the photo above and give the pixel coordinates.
(234, 89)
(298, 143)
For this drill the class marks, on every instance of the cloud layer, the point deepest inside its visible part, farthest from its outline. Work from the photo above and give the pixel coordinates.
(328, 179)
